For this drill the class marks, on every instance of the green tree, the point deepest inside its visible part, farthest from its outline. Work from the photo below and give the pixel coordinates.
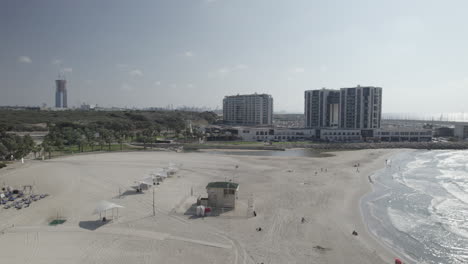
(120, 137)
(47, 148)
(3, 151)
(10, 144)
(90, 137)
(35, 150)
(27, 145)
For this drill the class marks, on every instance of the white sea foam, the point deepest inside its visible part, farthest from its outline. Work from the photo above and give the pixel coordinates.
(432, 216)
(406, 222)
(453, 160)
(456, 190)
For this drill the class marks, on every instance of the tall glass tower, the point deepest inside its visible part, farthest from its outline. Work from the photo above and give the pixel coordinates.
(61, 94)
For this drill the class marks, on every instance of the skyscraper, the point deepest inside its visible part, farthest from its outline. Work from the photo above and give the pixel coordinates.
(61, 93)
(354, 108)
(322, 108)
(251, 109)
(360, 107)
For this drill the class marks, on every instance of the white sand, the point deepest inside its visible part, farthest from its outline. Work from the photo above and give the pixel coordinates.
(329, 201)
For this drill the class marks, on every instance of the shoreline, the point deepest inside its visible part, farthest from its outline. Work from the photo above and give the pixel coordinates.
(285, 189)
(386, 253)
(372, 181)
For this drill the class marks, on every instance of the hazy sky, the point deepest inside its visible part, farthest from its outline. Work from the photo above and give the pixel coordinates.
(194, 52)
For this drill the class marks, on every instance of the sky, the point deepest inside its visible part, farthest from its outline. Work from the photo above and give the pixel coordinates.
(194, 52)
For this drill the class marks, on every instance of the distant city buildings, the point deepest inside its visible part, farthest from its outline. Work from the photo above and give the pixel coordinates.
(348, 108)
(251, 109)
(61, 94)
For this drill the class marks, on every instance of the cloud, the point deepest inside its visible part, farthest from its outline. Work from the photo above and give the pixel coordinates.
(56, 62)
(224, 70)
(298, 70)
(173, 85)
(209, 1)
(157, 83)
(136, 73)
(189, 85)
(24, 59)
(67, 70)
(126, 87)
(241, 67)
(189, 54)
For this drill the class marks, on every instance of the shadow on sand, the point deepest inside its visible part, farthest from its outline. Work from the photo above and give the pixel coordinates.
(127, 193)
(92, 225)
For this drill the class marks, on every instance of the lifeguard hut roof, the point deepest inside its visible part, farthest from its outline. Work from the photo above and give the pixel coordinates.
(223, 185)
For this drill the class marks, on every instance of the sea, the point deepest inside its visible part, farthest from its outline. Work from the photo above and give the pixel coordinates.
(419, 206)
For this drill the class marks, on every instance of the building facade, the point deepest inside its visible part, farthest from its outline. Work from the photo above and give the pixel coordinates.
(252, 109)
(335, 134)
(348, 108)
(322, 108)
(360, 107)
(222, 194)
(61, 94)
(461, 131)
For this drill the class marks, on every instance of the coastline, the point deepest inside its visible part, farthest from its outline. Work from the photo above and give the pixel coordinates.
(384, 252)
(372, 184)
(285, 189)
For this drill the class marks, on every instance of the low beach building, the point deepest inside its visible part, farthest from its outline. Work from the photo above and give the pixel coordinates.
(461, 131)
(222, 194)
(404, 135)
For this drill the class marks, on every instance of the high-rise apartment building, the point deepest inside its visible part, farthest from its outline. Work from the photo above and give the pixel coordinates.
(349, 108)
(360, 107)
(322, 108)
(61, 94)
(251, 109)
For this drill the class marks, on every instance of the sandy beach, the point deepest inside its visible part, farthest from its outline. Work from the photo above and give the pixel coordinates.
(283, 190)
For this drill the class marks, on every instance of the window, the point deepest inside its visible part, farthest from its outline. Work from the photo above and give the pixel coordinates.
(229, 191)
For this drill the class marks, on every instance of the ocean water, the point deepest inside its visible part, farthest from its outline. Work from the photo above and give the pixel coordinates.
(419, 206)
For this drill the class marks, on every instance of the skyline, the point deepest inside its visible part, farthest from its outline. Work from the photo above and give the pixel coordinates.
(194, 53)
